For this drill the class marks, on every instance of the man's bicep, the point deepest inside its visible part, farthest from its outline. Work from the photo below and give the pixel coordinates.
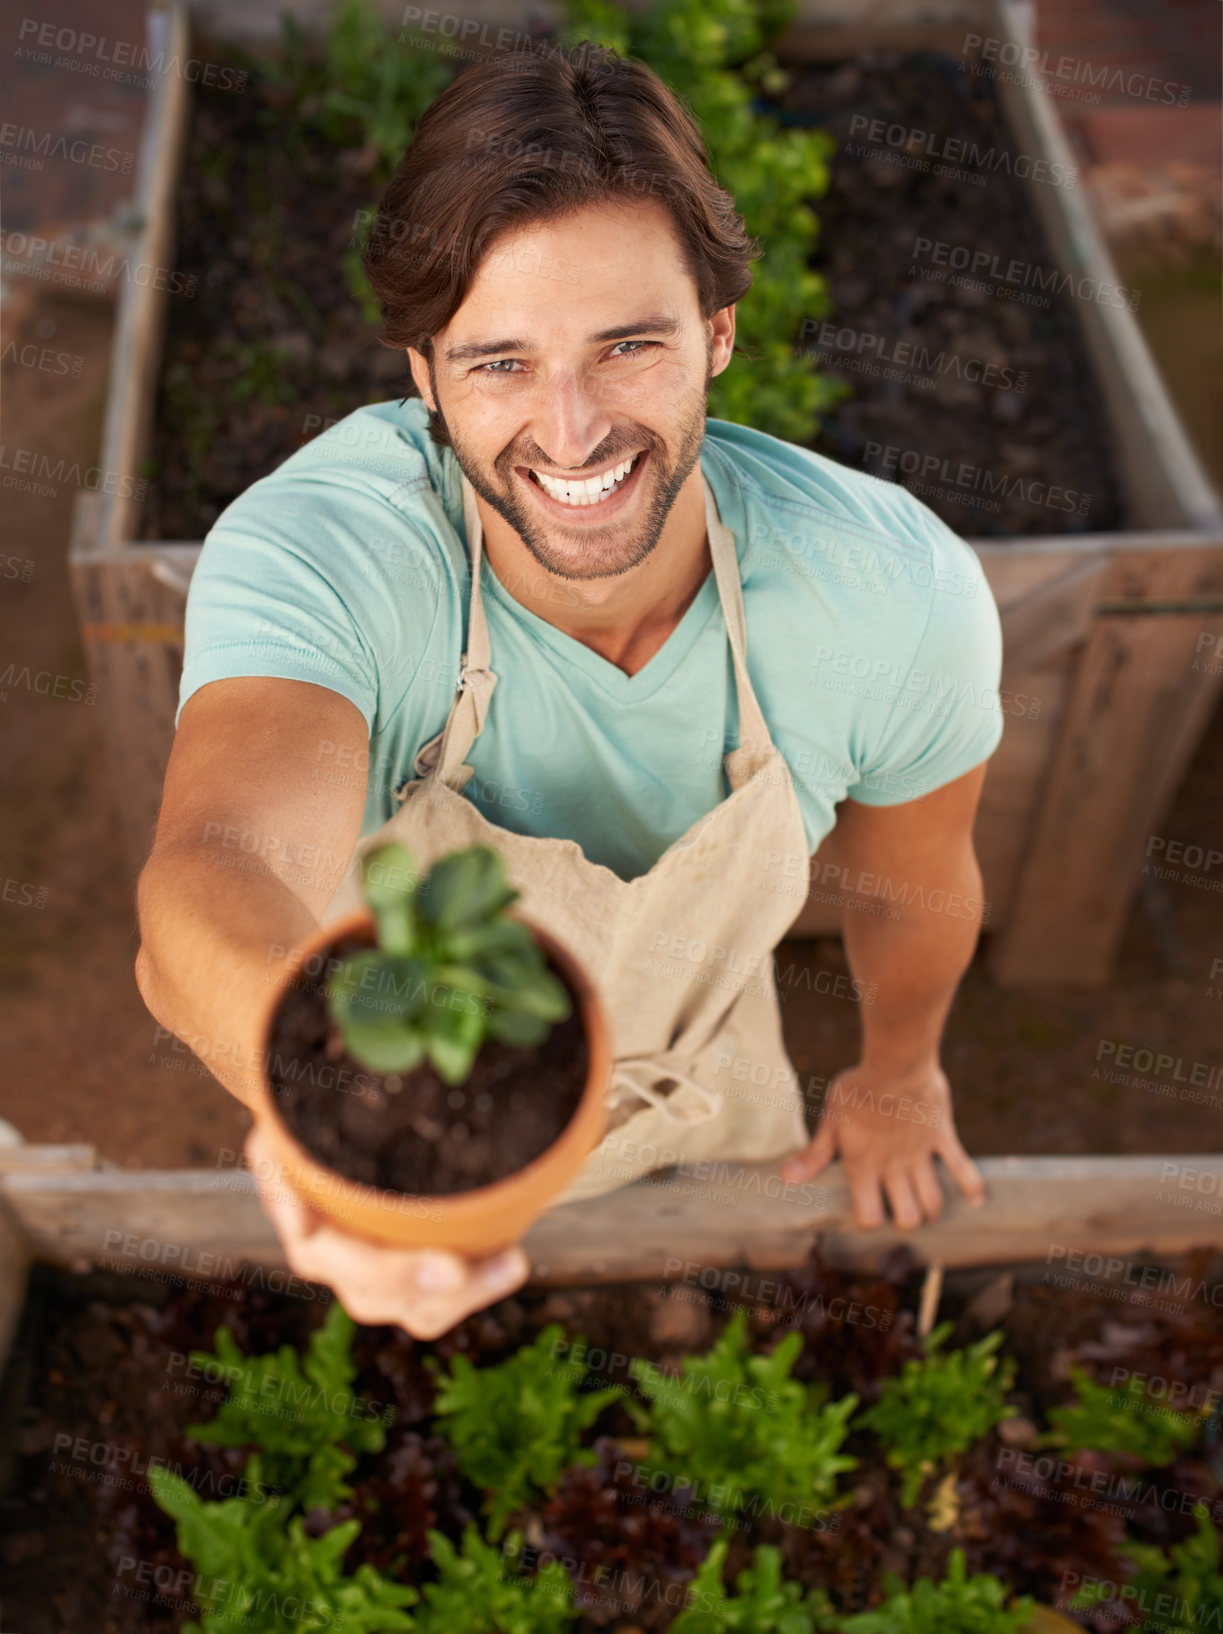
(917, 834)
(269, 774)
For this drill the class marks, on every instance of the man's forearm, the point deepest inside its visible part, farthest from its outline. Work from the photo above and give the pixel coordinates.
(209, 948)
(915, 964)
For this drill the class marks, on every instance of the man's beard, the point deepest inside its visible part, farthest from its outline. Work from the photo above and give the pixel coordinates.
(624, 550)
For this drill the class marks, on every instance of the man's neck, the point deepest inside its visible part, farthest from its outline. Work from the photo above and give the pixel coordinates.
(625, 618)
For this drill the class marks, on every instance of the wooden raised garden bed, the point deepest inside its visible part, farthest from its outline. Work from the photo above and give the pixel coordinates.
(135, 1272)
(1101, 629)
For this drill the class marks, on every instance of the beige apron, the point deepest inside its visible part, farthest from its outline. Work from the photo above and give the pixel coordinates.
(682, 956)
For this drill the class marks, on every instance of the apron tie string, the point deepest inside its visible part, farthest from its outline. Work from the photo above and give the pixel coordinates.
(635, 1071)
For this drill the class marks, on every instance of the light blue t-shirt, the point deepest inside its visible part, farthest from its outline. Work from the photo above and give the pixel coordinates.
(873, 641)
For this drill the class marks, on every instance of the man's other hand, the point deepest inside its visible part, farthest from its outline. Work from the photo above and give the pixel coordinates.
(887, 1131)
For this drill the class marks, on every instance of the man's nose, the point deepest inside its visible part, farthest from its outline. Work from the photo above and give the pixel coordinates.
(571, 421)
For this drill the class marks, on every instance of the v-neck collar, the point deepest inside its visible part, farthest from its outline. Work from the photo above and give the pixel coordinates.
(656, 672)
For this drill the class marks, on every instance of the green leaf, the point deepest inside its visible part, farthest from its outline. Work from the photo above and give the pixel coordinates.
(940, 1405)
(478, 1591)
(957, 1605)
(514, 1426)
(1129, 1421)
(765, 1603)
(739, 1422)
(389, 881)
(464, 888)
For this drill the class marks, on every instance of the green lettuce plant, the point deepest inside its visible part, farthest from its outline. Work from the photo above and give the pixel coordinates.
(258, 1571)
(515, 1425)
(740, 1422)
(451, 967)
(300, 1411)
(475, 1594)
(939, 1405)
(1129, 1421)
(765, 1602)
(712, 53)
(1184, 1583)
(958, 1605)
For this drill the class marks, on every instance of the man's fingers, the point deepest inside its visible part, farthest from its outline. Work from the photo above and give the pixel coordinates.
(814, 1157)
(905, 1211)
(929, 1192)
(868, 1205)
(964, 1171)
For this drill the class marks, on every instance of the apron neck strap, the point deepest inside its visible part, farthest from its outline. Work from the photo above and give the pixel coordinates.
(476, 680)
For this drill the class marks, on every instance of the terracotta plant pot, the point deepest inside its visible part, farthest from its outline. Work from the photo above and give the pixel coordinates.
(477, 1222)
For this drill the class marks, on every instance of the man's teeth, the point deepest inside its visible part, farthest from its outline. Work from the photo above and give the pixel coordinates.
(591, 491)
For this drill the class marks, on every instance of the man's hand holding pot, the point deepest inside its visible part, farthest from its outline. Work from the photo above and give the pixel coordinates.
(424, 1291)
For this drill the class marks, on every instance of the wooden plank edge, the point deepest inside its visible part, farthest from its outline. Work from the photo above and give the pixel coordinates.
(1138, 402)
(164, 1223)
(140, 309)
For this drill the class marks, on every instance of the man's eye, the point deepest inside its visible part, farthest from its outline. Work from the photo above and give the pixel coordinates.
(620, 343)
(501, 365)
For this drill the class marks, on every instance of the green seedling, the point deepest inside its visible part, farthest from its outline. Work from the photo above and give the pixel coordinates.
(940, 1405)
(516, 1425)
(451, 967)
(739, 1423)
(1129, 1421)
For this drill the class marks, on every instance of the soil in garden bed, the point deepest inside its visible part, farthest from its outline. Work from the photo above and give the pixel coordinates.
(414, 1132)
(99, 1388)
(995, 394)
(971, 387)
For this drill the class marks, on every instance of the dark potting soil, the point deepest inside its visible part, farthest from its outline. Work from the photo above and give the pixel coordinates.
(996, 392)
(98, 1388)
(414, 1132)
(970, 378)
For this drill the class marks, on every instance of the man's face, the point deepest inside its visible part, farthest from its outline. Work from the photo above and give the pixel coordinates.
(580, 349)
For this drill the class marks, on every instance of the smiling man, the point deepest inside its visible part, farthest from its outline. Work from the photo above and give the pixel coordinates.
(694, 654)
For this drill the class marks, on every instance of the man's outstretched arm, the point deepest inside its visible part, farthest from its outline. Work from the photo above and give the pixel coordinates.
(888, 1116)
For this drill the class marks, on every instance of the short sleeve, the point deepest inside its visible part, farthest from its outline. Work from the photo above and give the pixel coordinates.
(276, 592)
(943, 712)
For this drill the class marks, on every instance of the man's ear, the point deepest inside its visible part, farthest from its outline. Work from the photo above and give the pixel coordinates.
(723, 338)
(420, 374)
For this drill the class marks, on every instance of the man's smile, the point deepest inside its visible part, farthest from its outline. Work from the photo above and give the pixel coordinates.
(604, 493)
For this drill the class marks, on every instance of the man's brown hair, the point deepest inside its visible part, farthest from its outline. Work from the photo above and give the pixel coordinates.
(522, 138)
